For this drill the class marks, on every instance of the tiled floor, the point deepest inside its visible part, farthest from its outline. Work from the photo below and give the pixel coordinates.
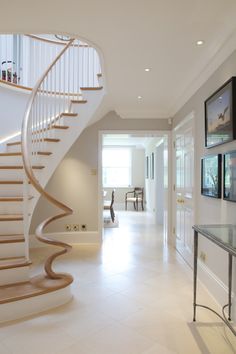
(133, 295)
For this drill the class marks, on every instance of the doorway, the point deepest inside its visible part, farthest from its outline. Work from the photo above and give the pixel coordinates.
(149, 151)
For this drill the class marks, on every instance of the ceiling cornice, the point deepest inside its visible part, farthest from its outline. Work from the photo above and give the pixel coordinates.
(223, 53)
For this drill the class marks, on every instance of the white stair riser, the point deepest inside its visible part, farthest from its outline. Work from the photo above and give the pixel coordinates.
(11, 160)
(34, 305)
(14, 275)
(16, 249)
(11, 190)
(16, 175)
(13, 148)
(11, 207)
(11, 227)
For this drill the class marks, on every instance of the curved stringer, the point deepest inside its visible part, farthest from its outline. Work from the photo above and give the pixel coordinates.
(48, 101)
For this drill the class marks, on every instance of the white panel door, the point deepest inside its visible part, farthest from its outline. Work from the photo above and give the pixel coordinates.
(183, 189)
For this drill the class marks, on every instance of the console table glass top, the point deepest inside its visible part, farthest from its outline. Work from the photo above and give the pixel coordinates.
(223, 235)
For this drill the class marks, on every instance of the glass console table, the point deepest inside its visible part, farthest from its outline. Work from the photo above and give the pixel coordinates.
(225, 237)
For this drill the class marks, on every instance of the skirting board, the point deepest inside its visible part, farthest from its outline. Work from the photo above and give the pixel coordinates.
(217, 289)
(68, 237)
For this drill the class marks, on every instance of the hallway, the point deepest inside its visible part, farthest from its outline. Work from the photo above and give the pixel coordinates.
(133, 295)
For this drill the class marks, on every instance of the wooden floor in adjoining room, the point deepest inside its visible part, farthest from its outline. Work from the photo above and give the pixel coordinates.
(132, 295)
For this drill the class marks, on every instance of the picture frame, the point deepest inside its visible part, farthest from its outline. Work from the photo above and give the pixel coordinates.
(229, 176)
(220, 115)
(211, 176)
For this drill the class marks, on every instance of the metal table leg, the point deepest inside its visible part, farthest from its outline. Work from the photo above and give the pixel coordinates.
(195, 274)
(230, 285)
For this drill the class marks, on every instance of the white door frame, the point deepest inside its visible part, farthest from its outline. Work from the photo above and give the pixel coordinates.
(100, 187)
(189, 117)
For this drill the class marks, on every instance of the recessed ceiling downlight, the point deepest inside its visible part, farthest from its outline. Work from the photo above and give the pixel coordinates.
(140, 97)
(147, 69)
(200, 42)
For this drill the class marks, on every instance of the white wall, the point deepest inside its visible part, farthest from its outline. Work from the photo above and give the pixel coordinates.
(74, 180)
(210, 210)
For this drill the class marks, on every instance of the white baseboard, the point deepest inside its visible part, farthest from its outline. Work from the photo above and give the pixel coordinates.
(68, 237)
(217, 289)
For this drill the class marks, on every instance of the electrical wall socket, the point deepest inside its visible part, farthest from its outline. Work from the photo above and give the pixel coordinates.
(68, 227)
(75, 227)
(72, 227)
(203, 256)
(84, 227)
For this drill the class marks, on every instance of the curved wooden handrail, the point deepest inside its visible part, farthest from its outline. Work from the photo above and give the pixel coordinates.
(47, 40)
(33, 180)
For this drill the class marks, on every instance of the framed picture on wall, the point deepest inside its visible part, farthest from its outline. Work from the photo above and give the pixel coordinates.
(229, 181)
(147, 167)
(220, 115)
(211, 176)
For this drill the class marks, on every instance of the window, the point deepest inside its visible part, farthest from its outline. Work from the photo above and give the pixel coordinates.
(116, 167)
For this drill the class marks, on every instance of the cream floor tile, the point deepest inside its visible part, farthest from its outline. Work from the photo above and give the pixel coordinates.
(46, 339)
(89, 293)
(118, 306)
(83, 324)
(159, 349)
(116, 339)
(5, 350)
(118, 282)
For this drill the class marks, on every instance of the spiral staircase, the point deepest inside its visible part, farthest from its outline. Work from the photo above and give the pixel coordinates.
(60, 106)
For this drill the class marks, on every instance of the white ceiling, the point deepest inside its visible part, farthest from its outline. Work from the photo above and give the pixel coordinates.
(134, 34)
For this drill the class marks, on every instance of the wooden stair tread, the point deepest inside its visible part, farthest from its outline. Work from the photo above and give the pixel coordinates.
(11, 217)
(20, 153)
(11, 238)
(14, 143)
(10, 154)
(53, 140)
(44, 153)
(69, 114)
(14, 199)
(11, 182)
(50, 128)
(92, 88)
(19, 167)
(79, 101)
(16, 262)
(63, 127)
(38, 285)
